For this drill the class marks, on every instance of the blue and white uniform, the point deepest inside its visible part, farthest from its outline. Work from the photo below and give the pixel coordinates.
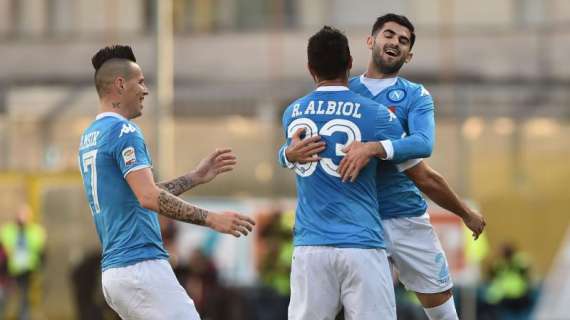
(111, 148)
(339, 257)
(419, 258)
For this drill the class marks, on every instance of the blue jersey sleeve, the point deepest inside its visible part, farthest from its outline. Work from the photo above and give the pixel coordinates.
(281, 156)
(130, 150)
(421, 125)
(283, 162)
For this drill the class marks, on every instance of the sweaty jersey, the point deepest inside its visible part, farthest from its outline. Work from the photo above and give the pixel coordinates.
(330, 212)
(413, 105)
(110, 148)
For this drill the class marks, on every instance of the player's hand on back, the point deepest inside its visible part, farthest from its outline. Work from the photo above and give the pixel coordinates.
(230, 223)
(219, 161)
(475, 222)
(357, 156)
(304, 150)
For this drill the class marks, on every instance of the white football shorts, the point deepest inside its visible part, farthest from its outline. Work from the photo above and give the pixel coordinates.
(147, 290)
(417, 255)
(324, 279)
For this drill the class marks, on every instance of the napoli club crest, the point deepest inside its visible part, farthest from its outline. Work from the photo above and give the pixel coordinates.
(396, 95)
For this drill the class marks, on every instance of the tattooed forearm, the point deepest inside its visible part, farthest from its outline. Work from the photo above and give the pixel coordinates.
(176, 208)
(177, 186)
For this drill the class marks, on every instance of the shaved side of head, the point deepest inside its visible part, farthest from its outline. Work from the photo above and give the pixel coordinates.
(109, 71)
(110, 63)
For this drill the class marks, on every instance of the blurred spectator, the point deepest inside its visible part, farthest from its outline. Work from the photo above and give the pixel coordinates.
(24, 243)
(3, 280)
(274, 245)
(201, 281)
(508, 294)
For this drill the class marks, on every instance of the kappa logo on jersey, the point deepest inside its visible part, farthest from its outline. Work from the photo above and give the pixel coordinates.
(127, 128)
(392, 115)
(424, 92)
(129, 156)
(396, 95)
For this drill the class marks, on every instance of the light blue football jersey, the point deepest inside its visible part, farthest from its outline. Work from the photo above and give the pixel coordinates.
(398, 195)
(110, 148)
(330, 212)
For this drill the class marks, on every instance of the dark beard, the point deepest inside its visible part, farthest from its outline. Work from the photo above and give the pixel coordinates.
(385, 67)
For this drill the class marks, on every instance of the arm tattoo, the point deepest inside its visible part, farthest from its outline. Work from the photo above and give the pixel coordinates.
(177, 186)
(176, 208)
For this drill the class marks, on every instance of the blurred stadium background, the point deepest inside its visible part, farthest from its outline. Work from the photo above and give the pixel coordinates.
(498, 71)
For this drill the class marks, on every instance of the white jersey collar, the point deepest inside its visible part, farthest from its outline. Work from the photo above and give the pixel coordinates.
(109, 114)
(332, 88)
(375, 86)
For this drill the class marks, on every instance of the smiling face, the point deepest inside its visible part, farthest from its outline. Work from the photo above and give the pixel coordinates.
(391, 46)
(133, 92)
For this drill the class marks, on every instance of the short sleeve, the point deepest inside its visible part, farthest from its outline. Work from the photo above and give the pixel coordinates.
(130, 150)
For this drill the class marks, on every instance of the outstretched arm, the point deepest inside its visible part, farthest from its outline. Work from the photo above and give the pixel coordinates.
(434, 185)
(220, 161)
(153, 198)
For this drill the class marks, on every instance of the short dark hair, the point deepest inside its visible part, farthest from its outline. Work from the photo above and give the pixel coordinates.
(113, 52)
(328, 53)
(116, 60)
(399, 19)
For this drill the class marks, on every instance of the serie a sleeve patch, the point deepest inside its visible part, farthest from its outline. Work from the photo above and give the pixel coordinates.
(129, 156)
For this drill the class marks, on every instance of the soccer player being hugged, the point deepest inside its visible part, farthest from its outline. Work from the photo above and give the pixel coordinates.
(138, 282)
(412, 243)
(339, 258)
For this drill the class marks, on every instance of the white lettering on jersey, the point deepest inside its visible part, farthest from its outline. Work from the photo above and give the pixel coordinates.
(310, 108)
(89, 140)
(129, 156)
(339, 106)
(320, 109)
(296, 112)
(424, 92)
(392, 115)
(331, 107)
(348, 109)
(127, 128)
(356, 114)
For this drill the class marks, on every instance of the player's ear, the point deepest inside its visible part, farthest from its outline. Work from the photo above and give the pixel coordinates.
(349, 63)
(119, 84)
(370, 42)
(409, 57)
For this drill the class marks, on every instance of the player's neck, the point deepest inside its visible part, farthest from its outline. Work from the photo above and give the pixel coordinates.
(334, 82)
(107, 105)
(373, 73)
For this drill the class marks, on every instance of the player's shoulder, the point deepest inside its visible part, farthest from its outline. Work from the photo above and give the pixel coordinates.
(354, 80)
(355, 84)
(414, 89)
(119, 128)
(366, 102)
